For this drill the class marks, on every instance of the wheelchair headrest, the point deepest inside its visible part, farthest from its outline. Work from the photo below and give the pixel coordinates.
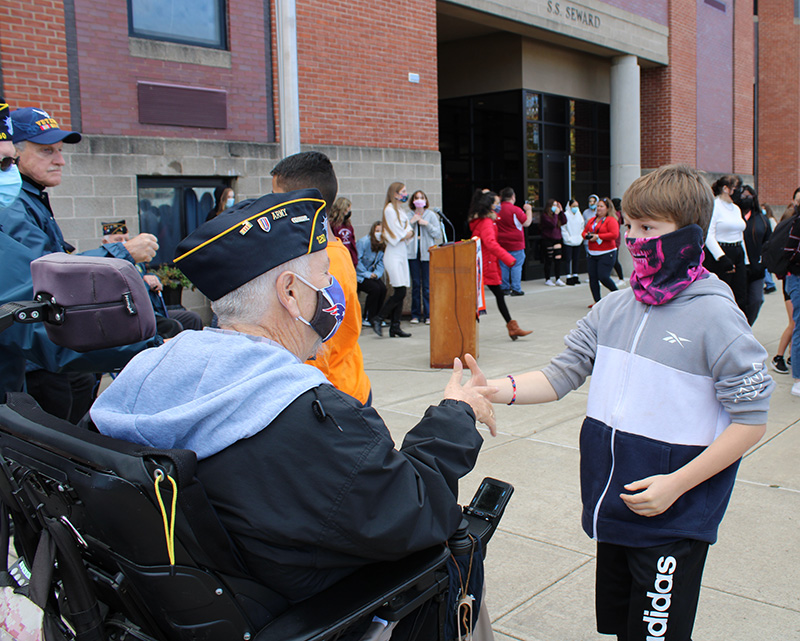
(99, 302)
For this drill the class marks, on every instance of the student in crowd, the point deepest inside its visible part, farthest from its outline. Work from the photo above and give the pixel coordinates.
(341, 225)
(552, 219)
(427, 233)
(369, 271)
(656, 475)
(483, 211)
(617, 213)
(511, 224)
(779, 360)
(601, 233)
(224, 198)
(726, 255)
(341, 361)
(396, 232)
(572, 237)
(756, 232)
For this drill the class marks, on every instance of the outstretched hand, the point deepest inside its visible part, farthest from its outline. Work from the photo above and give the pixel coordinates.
(474, 392)
(657, 495)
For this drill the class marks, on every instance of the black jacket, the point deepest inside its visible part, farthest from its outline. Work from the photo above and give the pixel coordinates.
(756, 232)
(321, 490)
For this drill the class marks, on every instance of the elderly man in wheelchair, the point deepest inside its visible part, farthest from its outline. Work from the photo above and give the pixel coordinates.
(296, 486)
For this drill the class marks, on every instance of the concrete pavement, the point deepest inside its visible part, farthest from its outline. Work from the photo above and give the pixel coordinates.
(540, 566)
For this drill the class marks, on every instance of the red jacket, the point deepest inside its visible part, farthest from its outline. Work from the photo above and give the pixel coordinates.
(485, 229)
(607, 231)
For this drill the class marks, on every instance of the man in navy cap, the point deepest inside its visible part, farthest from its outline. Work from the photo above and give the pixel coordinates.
(30, 221)
(30, 341)
(305, 479)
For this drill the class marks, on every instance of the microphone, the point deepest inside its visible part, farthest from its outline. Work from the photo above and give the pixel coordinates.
(441, 215)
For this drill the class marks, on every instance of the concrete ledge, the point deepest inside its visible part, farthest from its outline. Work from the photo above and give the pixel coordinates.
(174, 52)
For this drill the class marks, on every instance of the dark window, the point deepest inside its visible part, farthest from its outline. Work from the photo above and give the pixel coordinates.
(172, 208)
(195, 22)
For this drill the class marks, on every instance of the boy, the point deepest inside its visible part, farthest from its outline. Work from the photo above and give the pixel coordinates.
(679, 393)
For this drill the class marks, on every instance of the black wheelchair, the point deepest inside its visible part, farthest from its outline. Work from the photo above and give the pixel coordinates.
(141, 554)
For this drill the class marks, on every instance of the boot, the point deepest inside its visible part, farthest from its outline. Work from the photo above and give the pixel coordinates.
(396, 332)
(376, 323)
(514, 331)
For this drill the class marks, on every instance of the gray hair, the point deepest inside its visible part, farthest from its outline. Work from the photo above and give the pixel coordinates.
(250, 303)
(19, 146)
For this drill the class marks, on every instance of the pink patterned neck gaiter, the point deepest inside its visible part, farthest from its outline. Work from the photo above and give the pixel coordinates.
(663, 266)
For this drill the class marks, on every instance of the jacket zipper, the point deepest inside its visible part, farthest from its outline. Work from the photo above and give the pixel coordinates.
(613, 425)
(78, 308)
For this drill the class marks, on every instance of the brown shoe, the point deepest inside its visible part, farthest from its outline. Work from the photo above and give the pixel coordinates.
(514, 331)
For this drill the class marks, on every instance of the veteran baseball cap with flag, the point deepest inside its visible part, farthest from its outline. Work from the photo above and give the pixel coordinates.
(37, 126)
(6, 126)
(251, 238)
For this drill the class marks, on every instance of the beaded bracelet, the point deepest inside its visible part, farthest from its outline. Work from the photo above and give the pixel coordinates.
(513, 389)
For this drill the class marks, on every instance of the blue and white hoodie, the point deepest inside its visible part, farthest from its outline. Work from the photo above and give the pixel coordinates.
(666, 381)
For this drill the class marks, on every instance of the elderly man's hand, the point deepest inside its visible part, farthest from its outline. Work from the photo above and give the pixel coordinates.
(153, 282)
(473, 392)
(142, 248)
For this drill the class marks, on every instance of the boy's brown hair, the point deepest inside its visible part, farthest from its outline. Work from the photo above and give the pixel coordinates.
(676, 193)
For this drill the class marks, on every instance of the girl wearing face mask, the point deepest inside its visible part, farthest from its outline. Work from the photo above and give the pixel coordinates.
(396, 232)
(339, 219)
(485, 206)
(726, 255)
(224, 199)
(550, 225)
(601, 234)
(369, 271)
(757, 231)
(427, 233)
(572, 238)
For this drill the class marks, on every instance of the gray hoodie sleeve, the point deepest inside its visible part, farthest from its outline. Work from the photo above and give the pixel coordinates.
(568, 370)
(742, 383)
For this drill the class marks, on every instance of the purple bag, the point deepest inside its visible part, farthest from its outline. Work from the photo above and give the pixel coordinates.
(105, 301)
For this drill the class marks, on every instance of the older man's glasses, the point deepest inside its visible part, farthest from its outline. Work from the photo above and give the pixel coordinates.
(6, 163)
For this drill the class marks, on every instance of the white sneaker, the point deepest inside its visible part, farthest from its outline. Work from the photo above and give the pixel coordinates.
(561, 283)
(796, 388)
(415, 321)
(365, 323)
(621, 282)
(549, 282)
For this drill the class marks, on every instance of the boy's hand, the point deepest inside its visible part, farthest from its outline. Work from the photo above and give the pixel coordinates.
(474, 392)
(658, 495)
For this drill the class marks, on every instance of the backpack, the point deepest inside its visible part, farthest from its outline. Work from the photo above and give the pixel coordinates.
(773, 252)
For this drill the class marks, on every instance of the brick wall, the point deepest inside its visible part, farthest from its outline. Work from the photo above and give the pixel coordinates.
(109, 75)
(669, 95)
(354, 62)
(778, 103)
(715, 83)
(655, 10)
(743, 84)
(34, 54)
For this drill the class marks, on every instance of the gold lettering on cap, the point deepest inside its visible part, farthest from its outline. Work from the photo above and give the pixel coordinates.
(321, 238)
(280, 213)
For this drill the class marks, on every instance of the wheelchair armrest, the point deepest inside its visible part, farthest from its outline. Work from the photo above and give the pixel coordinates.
(399, 586)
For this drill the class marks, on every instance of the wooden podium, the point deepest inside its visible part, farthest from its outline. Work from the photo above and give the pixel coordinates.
(453, 301)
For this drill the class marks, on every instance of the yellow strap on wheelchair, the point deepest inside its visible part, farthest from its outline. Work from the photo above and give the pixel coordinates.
(169, 524)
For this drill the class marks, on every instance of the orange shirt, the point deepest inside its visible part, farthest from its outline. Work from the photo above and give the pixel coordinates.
(340, 358)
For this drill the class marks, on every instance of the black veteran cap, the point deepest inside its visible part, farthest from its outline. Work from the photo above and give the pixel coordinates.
(251, 238)
(118, 227)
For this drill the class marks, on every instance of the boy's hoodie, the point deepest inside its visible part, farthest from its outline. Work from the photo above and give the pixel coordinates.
(666, 381)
